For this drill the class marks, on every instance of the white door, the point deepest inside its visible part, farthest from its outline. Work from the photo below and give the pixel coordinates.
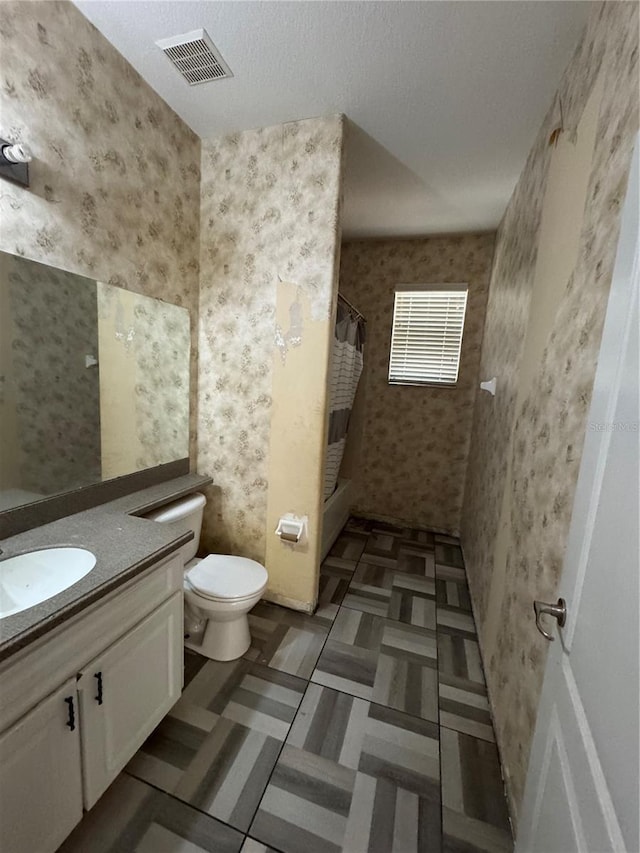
(582, 785)
(126, 691)
(40, 764)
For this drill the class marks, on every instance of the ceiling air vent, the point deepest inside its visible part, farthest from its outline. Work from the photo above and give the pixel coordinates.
(196, 57)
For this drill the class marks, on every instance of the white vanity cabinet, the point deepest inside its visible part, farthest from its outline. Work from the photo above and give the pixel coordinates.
(40, 776)
(76, 705)
(125, 692)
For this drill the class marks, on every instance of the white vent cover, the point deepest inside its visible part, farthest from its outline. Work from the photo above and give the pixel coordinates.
(196, 57)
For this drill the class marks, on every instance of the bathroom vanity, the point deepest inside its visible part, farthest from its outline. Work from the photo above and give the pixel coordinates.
(86, 676)
(95, 405)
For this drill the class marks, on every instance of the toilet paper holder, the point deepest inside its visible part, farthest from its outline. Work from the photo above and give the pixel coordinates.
(290, 529)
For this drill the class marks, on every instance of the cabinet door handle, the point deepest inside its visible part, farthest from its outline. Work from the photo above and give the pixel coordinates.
(98, 696)
(71, 719)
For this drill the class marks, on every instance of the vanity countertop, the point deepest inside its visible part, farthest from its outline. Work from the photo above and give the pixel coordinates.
(124, 545)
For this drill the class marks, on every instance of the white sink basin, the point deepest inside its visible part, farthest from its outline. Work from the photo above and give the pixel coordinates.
(29, 579)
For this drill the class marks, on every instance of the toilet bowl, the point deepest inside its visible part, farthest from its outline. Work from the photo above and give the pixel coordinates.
(219, 590)
(222, 590)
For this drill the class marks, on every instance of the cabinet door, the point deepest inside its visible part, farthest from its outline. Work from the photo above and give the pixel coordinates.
(40, 779)
(126, 691)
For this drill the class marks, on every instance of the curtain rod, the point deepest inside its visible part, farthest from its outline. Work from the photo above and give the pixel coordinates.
(352, 307)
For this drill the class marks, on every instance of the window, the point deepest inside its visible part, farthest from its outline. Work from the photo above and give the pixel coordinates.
(427, 334)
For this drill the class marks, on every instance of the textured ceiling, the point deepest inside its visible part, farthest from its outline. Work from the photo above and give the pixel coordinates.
(444, 98)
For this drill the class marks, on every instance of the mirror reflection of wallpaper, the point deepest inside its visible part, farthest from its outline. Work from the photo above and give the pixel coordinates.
(49, 399)
(94, 381)
(144, 359)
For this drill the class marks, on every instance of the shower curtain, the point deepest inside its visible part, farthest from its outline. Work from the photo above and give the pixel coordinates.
(346, 368)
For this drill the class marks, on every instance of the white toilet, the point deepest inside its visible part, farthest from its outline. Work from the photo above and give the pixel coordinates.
(219, 590)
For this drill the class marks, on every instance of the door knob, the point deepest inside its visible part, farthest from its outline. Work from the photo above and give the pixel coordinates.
(558, 611)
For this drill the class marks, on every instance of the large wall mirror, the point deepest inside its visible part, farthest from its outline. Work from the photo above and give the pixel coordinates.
(94, 382)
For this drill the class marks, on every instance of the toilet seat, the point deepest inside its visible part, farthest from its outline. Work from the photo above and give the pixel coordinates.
(216, 598)
(221, 577)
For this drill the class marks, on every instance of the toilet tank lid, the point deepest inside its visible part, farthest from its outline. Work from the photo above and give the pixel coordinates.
(176, 510)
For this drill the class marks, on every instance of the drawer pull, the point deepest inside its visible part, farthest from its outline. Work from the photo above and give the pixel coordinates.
(98, 697)
(71, 719)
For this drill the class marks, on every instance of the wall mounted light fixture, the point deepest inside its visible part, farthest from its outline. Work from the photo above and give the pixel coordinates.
(14, 162)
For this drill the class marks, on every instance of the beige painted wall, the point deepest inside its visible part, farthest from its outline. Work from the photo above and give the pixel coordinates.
(270, 226)
(553, 264)
(297, 451)
(407, 446)
(115, 180)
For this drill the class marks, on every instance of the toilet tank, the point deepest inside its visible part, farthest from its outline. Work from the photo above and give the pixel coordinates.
(186, 513)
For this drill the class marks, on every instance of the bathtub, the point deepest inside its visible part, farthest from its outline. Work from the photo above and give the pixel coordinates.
(336, 514)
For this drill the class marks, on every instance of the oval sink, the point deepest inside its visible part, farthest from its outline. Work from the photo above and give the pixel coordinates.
(29, 579)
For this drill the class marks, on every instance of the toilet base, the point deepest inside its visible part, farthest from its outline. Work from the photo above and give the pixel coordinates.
(224, 641)
(194, 647)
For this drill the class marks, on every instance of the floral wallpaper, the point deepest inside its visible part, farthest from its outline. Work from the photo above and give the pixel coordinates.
(115, 180)
(57, 398)
(269, 215)
(409, 463)
(155, 339)
(546, 430)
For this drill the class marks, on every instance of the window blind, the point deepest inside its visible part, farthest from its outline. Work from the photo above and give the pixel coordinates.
(427, 334)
